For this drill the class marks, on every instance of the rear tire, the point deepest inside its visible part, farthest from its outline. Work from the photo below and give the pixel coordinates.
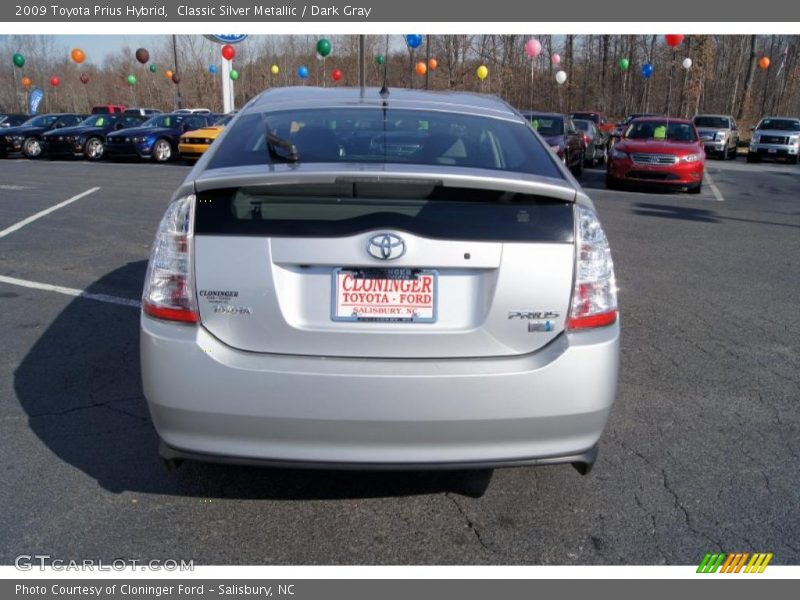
(752, 158)
(612, 183)
(696, 189)
(793, 160)
(475, 483)
(577, 170)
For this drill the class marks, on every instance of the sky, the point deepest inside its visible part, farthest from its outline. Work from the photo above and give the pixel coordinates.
(97, 47)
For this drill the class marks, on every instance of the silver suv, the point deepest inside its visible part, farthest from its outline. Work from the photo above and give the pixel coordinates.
(410, 280)
(719, 134)
(776, 137)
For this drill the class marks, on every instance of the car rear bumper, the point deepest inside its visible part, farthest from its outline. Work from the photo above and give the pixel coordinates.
(212, 402)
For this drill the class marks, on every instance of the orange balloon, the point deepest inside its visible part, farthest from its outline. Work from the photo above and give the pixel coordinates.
(26, 82)
(763, 63)
(421, 68)
(77, 55)
(432, 64)
(168, 74)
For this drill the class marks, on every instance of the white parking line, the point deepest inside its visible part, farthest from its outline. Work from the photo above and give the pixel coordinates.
(47, 211)
(35, 285)
(714, 189)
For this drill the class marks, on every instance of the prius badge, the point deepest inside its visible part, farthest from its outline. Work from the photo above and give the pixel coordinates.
(386, 246)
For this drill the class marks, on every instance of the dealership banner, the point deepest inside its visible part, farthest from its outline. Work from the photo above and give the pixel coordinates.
(358, 589)
(422, 11)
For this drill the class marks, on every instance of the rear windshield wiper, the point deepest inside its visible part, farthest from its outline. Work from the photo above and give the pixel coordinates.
(275, 142)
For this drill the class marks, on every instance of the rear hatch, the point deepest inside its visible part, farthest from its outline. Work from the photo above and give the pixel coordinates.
(383, 266)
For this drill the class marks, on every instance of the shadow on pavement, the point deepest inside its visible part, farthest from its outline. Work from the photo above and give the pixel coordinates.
(80, 386)
(672, 211)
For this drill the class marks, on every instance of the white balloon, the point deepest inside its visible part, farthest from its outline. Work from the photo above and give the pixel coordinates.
(687, 63)
(561, 77)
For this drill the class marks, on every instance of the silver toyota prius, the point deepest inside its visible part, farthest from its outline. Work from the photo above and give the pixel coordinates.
(380, 280)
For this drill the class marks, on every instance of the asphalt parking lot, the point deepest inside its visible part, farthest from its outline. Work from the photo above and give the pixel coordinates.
(701, 453)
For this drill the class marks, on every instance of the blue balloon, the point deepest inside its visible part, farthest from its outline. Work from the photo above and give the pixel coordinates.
(414, 40)
(647, 70)
(212, 69)
(302, 72)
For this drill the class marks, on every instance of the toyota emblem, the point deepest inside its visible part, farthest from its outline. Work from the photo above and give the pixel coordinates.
(386, 246)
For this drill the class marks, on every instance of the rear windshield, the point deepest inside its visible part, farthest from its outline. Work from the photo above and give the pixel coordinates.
(389, 136)
(583, 125)
(661, 130)
(590, 116)
(780, 124)
(712, 122)
(347, 208)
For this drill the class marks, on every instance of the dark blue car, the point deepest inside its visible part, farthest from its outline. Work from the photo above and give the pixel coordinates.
(156, 139)
(87, 138)
(26, 138)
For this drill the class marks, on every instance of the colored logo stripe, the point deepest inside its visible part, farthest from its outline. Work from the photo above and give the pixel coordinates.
(733, 563)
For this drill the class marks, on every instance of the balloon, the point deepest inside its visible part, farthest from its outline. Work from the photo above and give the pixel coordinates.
(324, 47)
(687, 63)
(18, 60)
(302, 72)
(54, 80)
(674, 40)
(142, 55)
(421, 68)
(228, 52)
(84, 78)
(26, 82)
(763, 63)
(555, 59)
(153, 68)
(212, 69)
(168, 74)
(561, 77)
(432, 64)
(414, 40)
(131, 79)
(274, 69)
(380, 59)
(336, 74)
(78, 55)
(234, 74)
(624, 63)
(533, 48)
(482, 72)
(176, 79)
(647, 70)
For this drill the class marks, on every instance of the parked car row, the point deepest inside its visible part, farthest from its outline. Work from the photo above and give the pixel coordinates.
(114, 133)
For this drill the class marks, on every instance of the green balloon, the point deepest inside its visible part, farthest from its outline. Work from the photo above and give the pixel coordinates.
(234, 74)
(131, 79)
(624, 63)
(19, 60)
(153, 68)
(324, 47)
(380, 59)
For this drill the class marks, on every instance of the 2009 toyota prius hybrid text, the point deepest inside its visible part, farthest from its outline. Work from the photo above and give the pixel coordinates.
(355, 279)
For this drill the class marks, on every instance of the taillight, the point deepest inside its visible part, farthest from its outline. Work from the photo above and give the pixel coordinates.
(586, 139)
(594, 298)
(169, 284)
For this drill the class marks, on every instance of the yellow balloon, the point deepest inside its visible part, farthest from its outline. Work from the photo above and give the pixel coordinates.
(482, 72)
(274, 70)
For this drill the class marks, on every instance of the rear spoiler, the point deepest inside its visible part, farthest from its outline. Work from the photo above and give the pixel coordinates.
(287, 174)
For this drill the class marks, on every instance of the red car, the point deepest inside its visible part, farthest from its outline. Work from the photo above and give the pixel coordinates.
(658, 151)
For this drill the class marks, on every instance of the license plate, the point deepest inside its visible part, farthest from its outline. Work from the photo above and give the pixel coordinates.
(393, 295)
(772, 150)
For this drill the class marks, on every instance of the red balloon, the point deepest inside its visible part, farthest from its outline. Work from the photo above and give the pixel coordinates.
(84, 78)
(54, 81)
(336, 74)
(674, 39)
(228, 52)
